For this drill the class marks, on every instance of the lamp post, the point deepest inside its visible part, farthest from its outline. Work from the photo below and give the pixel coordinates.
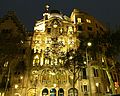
(89, 44)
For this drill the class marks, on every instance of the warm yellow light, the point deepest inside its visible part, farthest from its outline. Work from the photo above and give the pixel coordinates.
(89, 44)
(103, 59)
(79, 20)
(85, 62)
(36, 57)
(54, 85)
(55, 25)
(17, 94)
(40, 27)
(21, 77)
(70, 28)
(6, 64)
(2, 94)
(16, 86)
(97, 84)
(70, 57)
(51, 73)
(88, 20)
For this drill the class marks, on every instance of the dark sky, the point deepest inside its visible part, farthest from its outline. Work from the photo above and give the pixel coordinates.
(30, 10)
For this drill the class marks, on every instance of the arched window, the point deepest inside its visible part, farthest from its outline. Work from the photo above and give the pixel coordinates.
(45, 92)
(53, 92)
(60, 92)
(70, 92)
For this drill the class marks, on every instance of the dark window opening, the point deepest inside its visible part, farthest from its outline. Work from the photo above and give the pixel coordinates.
(48, 30)
(101, 28)
(95, 72)
(80, 28)
(89, 28)
(84, 73)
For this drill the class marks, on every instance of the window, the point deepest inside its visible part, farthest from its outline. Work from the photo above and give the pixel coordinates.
(47, 60)
(45, 92)
(80, 28)
(70, 92)
(85, 88)
(6, 34)
(79, 20)
(48, 40)
(48, 30)
(84, 73)
(60, 92)
(95, 72)
(53, 92)
(88, 20)
(89, 28)
(70, 30)
(36, 60)
(6, 30)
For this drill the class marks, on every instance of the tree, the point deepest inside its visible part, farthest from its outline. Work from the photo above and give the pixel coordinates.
(74, 63)
(104, 50)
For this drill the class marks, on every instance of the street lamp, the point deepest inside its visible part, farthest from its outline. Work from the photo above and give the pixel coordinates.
(89, 44)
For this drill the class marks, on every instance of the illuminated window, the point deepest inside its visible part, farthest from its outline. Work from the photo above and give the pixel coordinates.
(79, 20)
(88, 20)
(71, 41)
(47, 60)
(16, 86)
(70, 30)
(48, 40)
(36, 60)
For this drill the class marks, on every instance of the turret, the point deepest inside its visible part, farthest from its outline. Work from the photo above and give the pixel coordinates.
(46, 14)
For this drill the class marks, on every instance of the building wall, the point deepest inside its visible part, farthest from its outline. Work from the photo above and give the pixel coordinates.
(41, 68)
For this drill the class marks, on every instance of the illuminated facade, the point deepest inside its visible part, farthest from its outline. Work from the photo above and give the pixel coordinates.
(45, 51)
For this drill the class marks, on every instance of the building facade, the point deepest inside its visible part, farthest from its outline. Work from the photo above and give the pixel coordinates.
(37, 67)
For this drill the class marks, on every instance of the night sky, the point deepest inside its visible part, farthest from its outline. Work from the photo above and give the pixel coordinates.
(28, 11)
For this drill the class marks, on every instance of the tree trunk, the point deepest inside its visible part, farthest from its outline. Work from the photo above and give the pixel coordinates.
(111, 81)
(109, 77)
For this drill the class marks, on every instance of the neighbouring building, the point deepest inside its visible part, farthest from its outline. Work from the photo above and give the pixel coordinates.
(32, 63)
